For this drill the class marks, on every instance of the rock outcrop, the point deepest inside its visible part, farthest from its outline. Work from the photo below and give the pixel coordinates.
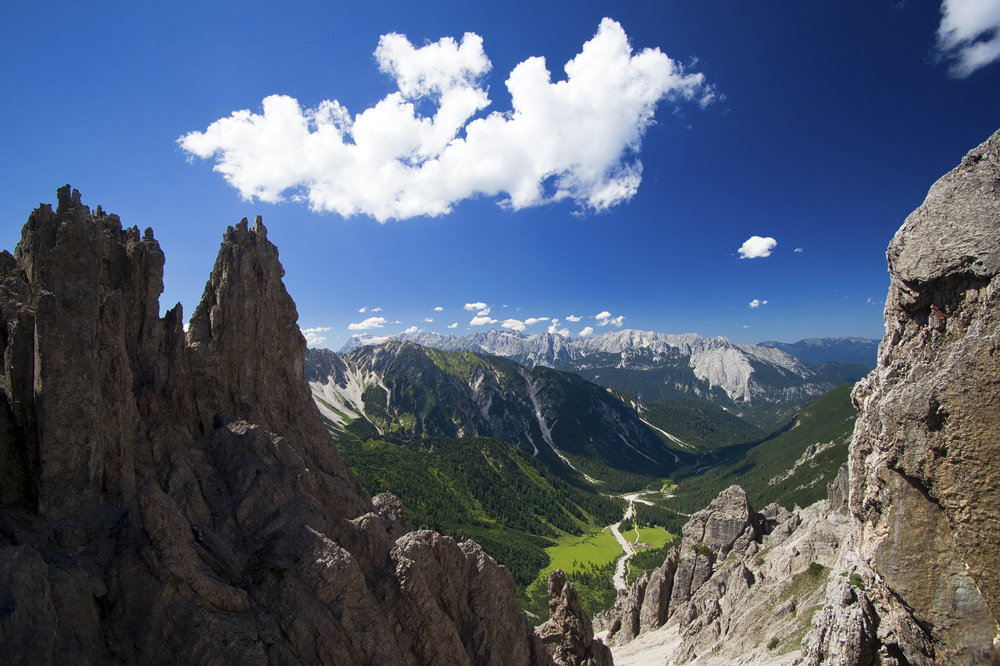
(924, 462)
(568, 635)
(172, 497)
(743, 585)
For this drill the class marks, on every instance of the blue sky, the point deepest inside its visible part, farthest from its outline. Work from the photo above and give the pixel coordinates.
(819, 125)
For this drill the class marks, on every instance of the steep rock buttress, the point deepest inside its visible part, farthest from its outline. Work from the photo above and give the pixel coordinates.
(174, 498)
(925, 459)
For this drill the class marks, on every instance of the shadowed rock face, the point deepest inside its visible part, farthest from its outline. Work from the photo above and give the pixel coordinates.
(925, 463)
(172, 498)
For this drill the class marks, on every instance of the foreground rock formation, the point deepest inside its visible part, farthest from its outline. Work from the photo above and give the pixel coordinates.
(743, 586)
(174, 498)
(925, 460)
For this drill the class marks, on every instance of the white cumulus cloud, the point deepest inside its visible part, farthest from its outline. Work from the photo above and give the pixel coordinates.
(756, 247)
(587, 331)
(555, 330)
(575, 139)
(969, 34)
(363, 310)
(371, 322)
(513, 324)
(605, 318)
(481, 320)
(429, 320)
(438, 309)
(574, 318)
(313, 337)
(756, 303)
(413, 330)
(472, 307)
(531, 321)
(455, 325)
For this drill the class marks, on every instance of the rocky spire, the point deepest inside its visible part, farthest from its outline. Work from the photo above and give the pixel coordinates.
(175, 499)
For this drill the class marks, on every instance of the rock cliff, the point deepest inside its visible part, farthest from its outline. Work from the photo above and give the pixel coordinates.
(742, 586)
(172, 497)
(925, 460)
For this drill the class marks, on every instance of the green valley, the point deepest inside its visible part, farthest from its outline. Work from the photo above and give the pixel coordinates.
(531, 463)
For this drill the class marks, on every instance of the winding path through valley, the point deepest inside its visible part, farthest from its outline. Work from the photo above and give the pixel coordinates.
(619, 578)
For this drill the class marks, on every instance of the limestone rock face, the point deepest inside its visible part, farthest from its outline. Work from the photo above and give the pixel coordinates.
(924, 462)
(727, 523)
(172, 498)
(568, 636)
(751, 604)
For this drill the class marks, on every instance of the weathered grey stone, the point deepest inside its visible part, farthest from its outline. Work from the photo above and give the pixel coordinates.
(844, 631)
(656, 601)
(726, 522)
(568, 636)
(839, 492)
(172, 498)
(924, 464)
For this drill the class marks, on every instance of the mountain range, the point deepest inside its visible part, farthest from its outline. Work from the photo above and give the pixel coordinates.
(689, 364)
(407, 391)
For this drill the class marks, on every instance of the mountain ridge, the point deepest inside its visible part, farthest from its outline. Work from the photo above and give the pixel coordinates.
(703, 366)
(406, 390)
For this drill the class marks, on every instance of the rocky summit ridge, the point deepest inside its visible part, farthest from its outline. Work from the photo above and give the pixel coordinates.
(168, 498)
(705, 367)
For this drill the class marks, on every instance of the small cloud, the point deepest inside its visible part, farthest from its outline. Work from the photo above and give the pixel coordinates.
(438, 309)
(481, 320)
(798, 249)
(531, 321)
(313, 337)
(513, 324)
(455, 325)
(969, 34)
(745, 326)
(757, 247)
(756, 303)
(555, 330)
(363, 310)
(429, 319)
(573, 318)
(367, 324)
(585, 332)
(472, 307)
(605, 318)
(484, 312)
(376, 309)
(413, 330)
